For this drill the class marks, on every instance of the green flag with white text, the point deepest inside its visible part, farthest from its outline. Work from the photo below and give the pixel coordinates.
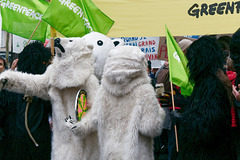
(75, 18)
(21, 17)
(178, 70)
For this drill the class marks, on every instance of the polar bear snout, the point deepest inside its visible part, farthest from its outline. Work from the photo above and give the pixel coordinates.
(58, 45)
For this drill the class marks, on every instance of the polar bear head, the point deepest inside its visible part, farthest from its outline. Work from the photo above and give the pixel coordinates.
(73, 62)
(68, 48)
(102, 45)
(126, 68)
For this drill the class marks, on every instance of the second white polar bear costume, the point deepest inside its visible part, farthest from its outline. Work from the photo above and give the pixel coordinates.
(126, 111)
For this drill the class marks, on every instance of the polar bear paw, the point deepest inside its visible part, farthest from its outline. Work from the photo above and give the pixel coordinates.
(71, 123)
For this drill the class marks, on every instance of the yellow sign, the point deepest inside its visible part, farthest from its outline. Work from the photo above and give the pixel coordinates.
(147, 18)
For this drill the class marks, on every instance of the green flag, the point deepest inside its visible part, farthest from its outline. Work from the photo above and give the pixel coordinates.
(75, 18)
(178, 71)
(21, 17)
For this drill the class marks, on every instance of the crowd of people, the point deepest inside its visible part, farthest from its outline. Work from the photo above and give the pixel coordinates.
(207, 122)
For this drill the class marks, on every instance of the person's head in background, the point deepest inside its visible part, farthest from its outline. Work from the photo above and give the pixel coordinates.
(184, 44)
(34, 58)
(2, 64)
(149, 66)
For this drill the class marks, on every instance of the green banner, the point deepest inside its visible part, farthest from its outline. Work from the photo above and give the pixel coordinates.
(21, 17)
(178, 70)
(75, 18)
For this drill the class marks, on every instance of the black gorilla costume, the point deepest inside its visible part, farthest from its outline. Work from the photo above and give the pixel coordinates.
(205, 126)
(16, 143)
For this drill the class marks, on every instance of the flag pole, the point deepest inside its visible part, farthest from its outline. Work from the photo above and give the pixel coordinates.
(34, 32)
(175, 126)
(53, 35)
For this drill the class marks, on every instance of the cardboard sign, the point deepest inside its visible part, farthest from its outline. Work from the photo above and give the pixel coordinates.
(162, 48)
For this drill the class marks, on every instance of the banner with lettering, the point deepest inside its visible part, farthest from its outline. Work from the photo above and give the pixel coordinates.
(146, 18)
(148, 45)
(21, 17)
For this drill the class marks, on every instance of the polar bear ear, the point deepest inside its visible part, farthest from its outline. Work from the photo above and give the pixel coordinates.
(118, 42)
(143, 59)
(141, 55)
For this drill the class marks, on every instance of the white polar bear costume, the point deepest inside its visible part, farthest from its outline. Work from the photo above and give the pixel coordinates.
(71, 70)
(102, 45)
(126, 112)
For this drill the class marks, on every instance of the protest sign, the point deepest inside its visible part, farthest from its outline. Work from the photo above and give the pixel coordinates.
(148, 45)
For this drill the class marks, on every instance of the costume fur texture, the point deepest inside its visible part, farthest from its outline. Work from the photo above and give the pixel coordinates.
(71, 70)
(205, 127)
(129, 115)
(126, 111)
(102, 45)
(16, 143)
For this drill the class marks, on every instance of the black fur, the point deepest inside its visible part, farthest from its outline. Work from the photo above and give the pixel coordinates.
(33, 58)
(205, 127)
(16, 143)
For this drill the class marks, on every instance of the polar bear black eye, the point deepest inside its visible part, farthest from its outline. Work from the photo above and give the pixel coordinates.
(100, 43)
(70, 40)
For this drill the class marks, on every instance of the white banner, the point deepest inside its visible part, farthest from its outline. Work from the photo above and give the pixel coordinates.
(148, 45)
(19, 43)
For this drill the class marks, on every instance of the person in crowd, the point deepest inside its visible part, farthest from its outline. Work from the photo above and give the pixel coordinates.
(230, 72)
(2, 64)
(184, 44)
(161, 142)
(25, 133)
(163, 77)
(235, 55)
(151, 74)
(205, 124)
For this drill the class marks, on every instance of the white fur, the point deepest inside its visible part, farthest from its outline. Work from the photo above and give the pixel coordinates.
(100, 52)
(60, 84)
(126, 111)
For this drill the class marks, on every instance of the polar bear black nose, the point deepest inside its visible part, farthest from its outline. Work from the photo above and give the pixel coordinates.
(57, 44)
(57, 40)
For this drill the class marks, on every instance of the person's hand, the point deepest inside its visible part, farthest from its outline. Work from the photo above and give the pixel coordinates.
(14, 65)
(235, 92)
(175, 117)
